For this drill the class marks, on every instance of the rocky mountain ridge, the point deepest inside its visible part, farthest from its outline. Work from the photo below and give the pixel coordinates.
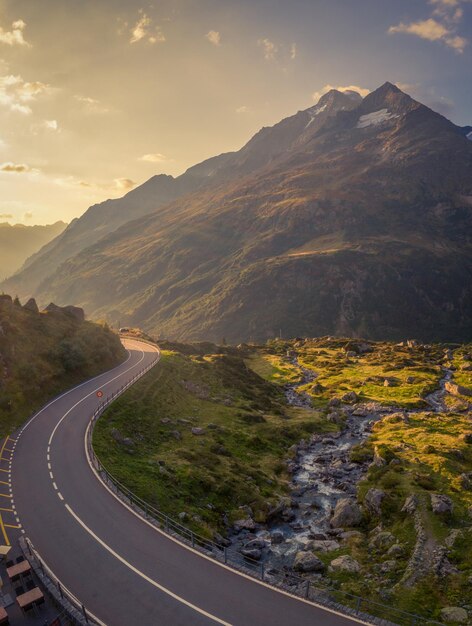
(352, 219)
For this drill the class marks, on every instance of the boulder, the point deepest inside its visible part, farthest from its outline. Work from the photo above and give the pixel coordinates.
(346, 513)
(327, 545)
(349, 397)
(373, 501)
(307, 562)
(466, 481)
(244, 524)
(411, 504)
(251, 553)
(277, 537)
(196, 430)
(454, 615)
(457, 390)
(382, 540)
(344, 563)
(441, 504)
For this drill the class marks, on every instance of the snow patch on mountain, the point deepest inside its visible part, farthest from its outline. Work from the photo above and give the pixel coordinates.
(314, 111)
(469, 136)
(375, 118)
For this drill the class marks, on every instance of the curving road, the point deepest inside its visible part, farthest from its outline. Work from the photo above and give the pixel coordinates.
(123, 570)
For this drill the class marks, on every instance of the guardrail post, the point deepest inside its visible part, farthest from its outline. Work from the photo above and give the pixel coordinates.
(29, 547)
(262, 571)
(85, 613)
(359, 604)
(307, 589)
(167, 523)
(193, 540)
(225, 554)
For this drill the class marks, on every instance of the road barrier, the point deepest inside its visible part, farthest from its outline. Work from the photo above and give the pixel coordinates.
(70, 606)
(361, 608)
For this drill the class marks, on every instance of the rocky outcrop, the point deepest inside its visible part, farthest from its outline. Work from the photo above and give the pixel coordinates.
(31, 306)
(72, 311)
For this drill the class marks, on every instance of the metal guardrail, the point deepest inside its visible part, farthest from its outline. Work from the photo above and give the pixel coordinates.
(361, 608)
(70, 606)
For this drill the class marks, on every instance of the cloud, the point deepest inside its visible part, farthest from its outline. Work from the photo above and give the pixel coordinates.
(269, 49)
(16, 94)
(28, 215)
(50, 125)
(124, 184)
(293, 51)
(214, 37)
(91, 105)
(243, 109)
(6, 216)
(155, 157)
(440, 26)
(15, 168)
(363, 91)
(143, 30)
(14, 37)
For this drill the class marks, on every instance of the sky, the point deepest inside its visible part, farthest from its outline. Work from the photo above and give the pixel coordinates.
(97, 96)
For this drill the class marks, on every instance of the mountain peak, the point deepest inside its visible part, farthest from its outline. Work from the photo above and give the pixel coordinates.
(390, 97)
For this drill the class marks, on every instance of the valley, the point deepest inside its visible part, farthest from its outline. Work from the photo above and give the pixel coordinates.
(329, 457)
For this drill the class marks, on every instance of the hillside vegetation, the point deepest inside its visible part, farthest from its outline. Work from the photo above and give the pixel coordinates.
(44, 353)
(209, 437)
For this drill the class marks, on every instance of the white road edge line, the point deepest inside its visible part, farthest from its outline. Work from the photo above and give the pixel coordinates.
(143, 575)
(91, 394)
(204, 556)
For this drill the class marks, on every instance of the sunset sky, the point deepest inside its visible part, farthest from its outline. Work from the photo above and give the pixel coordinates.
(96, 96)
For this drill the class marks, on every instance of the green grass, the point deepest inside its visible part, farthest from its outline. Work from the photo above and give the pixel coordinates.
(238, 461)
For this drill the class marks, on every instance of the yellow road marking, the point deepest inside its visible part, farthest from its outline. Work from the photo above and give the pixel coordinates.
(5, 495)
(2, 482)
(4, 444)
(4, 459)
(2, 526)
(8, 450)
(9, 510)
(2, 470)
(11, 526)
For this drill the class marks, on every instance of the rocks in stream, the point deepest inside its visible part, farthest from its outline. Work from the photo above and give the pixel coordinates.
(457, 390)
(244, 524)
(307, 562)
(346, 513)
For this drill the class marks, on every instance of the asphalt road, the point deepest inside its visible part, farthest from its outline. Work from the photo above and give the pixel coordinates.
(123, 570)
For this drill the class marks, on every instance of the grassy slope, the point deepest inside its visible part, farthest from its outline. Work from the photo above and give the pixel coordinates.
(239, 459)
(42, 354)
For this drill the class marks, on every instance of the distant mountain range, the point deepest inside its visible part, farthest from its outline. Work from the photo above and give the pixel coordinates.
(18, 242)
(353, 217)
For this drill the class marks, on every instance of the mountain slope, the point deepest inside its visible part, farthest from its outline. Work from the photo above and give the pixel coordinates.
(18, 242)
(104, 218)
(362, 225)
